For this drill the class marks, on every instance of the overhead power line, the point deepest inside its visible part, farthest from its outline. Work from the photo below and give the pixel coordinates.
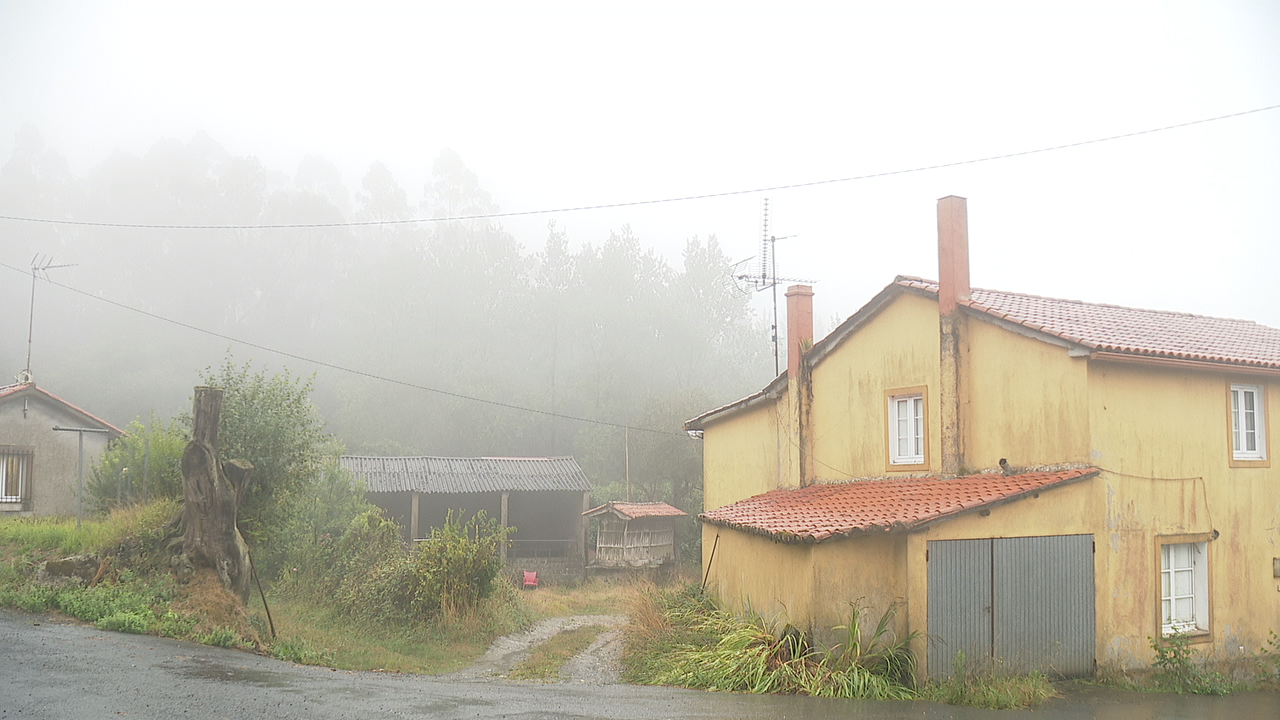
(638, 203)
(332, 366)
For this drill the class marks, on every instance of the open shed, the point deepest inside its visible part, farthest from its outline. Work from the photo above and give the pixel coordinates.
(543, 498)
(635, 534)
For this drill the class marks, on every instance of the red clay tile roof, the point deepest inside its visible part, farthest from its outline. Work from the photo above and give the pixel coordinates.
(821, 512)
(1111, 328)
(637, 510)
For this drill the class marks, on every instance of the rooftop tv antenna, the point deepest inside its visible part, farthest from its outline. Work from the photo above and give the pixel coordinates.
(767, 278)
(40, 265)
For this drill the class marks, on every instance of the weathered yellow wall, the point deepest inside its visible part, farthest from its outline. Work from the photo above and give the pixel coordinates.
(809, 586)
(740, 454)
(1151, 422)
(897, 348)
(1026, 400)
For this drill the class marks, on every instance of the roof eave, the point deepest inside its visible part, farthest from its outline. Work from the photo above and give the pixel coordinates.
(771, 392)
(1134, 358)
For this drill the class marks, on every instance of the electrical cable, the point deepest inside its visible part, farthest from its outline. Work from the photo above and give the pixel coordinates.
(332, 366)
(638, 203)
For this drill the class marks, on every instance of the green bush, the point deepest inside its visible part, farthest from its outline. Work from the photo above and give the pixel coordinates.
(1177, 670)
(457, 565)
(130, 622)
(94, 604)
(220, 637)
(173, 625)
(296, 650)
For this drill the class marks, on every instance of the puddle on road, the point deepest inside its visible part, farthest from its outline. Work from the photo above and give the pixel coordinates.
(238, 675)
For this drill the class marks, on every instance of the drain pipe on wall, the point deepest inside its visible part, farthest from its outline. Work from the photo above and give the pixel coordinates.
(710, 560)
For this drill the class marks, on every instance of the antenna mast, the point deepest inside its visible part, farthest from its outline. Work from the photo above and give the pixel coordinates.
(768, 278)
(39, 265)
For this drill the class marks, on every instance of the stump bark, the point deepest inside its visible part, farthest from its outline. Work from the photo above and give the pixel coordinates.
(212, 491)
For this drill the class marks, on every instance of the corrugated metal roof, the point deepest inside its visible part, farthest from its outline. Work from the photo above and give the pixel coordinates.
(466, 475)
(820, 512)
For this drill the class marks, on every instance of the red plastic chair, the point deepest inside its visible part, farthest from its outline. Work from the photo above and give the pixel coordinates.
(530, 579)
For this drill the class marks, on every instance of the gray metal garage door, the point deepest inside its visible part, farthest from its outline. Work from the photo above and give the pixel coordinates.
(1021, 603)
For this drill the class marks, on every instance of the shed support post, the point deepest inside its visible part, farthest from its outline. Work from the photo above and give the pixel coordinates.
(506, 498)
(413, 518)
(586, 524)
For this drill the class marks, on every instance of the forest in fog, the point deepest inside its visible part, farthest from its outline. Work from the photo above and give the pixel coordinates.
(407, 328)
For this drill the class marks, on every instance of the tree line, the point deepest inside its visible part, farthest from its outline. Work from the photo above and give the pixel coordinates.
(430, 316)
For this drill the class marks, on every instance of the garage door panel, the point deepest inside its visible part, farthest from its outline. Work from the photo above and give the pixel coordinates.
(959, 603)
(1024, 603)
(1043, 604)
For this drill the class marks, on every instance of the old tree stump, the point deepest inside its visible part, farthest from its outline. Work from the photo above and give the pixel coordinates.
(206, 535)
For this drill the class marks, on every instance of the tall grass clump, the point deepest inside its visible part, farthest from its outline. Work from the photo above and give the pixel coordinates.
(45, 535)
(681, 638)
(988, 689)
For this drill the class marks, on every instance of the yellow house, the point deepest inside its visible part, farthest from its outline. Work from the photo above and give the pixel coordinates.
(1043, 484)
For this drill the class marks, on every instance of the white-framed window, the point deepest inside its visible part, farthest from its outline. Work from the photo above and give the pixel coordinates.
(1248, 423)
(906, 429)
(1184, 588)
(15, 474)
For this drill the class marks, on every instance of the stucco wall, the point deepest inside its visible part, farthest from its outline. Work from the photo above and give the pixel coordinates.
(741, 458)
(811, 586)
(1025, 400)
(1163, 434)
(898, 348)
(53, 472)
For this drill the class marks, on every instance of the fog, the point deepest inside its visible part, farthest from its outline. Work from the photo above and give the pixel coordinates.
(152, 114)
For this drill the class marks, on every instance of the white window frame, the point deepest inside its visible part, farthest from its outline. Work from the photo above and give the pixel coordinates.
(11, 458)
(1184, 588)
(1248, 424)
(909, 450)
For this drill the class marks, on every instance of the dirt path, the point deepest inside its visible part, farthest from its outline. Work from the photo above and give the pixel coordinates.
(599, 664)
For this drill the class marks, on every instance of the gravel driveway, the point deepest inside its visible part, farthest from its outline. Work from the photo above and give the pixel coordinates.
(599, 664)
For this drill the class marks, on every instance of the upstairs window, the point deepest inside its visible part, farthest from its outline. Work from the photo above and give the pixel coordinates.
(1248, 423)
(15, 473)
(907, 429)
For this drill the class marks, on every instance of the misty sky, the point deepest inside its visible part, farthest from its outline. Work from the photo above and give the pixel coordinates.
(559, 105)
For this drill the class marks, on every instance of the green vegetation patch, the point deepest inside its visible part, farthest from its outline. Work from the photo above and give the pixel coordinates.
(680, 638)
(988, 689)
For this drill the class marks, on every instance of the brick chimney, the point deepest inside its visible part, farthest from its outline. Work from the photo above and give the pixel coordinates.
(953, 254)
(953, 291)
(799, 326)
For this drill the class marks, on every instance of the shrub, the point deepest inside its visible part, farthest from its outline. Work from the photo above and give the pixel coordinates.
(457, 565)
(130, 622)
(1177, 671)
(220, 637)
(297, 651)
(94, 604)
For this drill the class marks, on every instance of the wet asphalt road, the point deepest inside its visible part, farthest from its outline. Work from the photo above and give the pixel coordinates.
(54, 670)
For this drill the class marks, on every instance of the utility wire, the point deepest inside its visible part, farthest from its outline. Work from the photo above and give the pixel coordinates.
(332, 366)
(637, 203)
